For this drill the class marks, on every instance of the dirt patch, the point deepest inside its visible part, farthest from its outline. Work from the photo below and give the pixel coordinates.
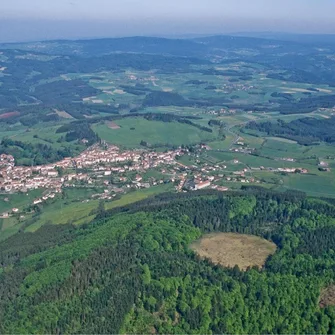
(324, 90)
(112, 125)
(65, 77)
(229, 249)
(119, 92)
(281, 139)
(63, 114)
(9, 115)
(294, 90)
(327, 297)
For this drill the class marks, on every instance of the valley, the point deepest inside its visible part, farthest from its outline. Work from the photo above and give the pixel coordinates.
(167, 186)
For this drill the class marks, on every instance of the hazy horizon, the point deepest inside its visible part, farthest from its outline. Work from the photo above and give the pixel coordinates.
(31, 20)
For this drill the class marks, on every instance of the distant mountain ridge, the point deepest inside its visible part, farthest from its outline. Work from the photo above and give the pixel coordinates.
(191, 47)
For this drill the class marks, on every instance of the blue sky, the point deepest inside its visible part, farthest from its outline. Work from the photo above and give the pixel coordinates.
(45, 19)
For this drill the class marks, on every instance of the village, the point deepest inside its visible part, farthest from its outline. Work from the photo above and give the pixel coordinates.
(118, 171)
(95, 160)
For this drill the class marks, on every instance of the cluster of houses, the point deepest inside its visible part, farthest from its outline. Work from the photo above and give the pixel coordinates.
(222, 111)
(6, 160)
(97, 157)
(103, 164)
(45, 197)
(323, 166)
(97, 160)
(23, 178)
(293, 170)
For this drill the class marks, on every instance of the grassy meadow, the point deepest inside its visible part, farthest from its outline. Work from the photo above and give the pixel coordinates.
(79, 211)
(133, 130)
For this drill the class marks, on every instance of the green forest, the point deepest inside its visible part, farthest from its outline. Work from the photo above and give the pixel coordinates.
(306, 131)
(131, 270)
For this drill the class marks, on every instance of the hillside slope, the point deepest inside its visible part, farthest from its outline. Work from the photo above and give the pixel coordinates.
(132, 271)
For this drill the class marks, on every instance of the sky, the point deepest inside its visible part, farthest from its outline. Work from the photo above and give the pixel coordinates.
(22, 20)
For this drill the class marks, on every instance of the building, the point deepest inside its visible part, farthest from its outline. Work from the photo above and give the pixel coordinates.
(201, 185)
(52, 173)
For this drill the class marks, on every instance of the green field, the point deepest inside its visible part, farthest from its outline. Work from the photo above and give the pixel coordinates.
(315, 185)
(78, 212)
(250, 160)
(18, 200)
(72, 207)
(9, 227)
(44, 134)
(133, 130)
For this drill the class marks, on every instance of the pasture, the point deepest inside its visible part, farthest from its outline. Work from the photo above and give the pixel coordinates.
(321, 184)
(251, 161)
(40, 133)
(18, 200)
(79, 211)
(134, 130)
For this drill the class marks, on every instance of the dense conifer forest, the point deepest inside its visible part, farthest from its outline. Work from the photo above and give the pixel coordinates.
(306, 131)
(131, 270)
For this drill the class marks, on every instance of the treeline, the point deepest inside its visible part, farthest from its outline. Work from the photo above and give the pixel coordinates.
(64, 91)
(287, 104)
(161, 117)
(146, 144)
(196, 82)
(138, 89)
(33, 114)
(79, 110)
(215, 122)
(160, 98)
(286, 96)
(180, 119)
(30, 120)
(79, 131)
(313, 76)
(26, 153)
(29, 115)
(34, 154)
(306, 105)
(306, 131)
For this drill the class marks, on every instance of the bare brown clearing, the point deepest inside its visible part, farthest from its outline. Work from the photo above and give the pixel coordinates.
(327, 297)
(324, 90)
(229, 249)
(119, 92)
(8, 115)
(63, 114)
(112, 125)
